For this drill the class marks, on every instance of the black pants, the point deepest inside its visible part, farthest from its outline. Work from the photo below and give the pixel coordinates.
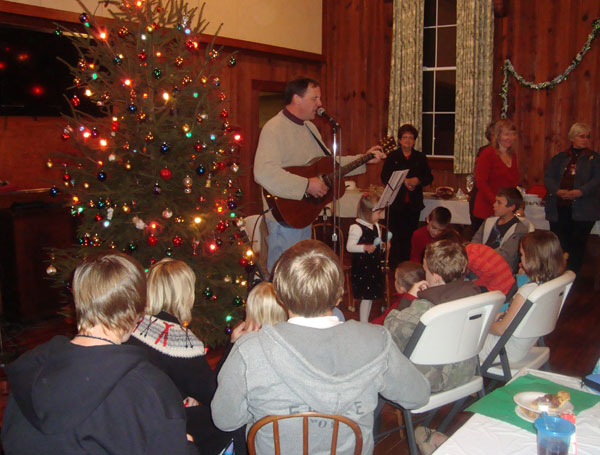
(402, 225)
(573, 236)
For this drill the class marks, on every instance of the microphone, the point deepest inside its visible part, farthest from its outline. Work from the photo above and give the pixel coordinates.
(321, 113)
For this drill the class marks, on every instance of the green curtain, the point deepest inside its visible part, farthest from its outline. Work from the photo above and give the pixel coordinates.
(406, 77)
(474, 67)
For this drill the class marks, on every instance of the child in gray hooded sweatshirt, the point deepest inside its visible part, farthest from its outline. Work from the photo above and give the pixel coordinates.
(313, 362)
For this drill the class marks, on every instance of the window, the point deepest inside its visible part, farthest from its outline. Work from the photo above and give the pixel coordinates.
(439, 77)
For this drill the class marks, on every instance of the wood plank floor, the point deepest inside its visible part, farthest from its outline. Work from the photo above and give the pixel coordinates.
(574, 344)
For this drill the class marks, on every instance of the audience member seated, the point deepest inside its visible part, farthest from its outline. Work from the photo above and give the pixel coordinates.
(172, 347)
(489, 270)
(313, 362)
(504, 230)
(445, 265)
(542, 260)
(262, 308)
(407, 273)
(92, 394)
(437, 222)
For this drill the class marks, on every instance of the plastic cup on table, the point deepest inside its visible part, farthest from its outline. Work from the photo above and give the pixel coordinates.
(553, 435)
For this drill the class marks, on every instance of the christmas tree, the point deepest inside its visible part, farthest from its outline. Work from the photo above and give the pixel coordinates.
(156, 174)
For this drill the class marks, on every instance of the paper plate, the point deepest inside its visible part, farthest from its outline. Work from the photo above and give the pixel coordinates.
(526, 399)
(520, 413)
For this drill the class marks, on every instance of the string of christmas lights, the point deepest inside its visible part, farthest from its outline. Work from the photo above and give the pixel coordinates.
(157, 174)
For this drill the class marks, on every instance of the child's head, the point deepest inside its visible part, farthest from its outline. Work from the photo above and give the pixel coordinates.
(452, 235)
(408, 273)
(541, 256)
(508, 201)
(171, 286)
(309, 279)
(437, 221)
(262, 306)
(446, 261)
(365, 208)
(110, 292)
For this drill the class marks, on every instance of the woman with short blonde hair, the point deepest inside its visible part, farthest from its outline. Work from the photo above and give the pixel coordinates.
(572, 182)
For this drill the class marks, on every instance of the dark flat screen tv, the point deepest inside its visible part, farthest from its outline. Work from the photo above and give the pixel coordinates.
(33, 81)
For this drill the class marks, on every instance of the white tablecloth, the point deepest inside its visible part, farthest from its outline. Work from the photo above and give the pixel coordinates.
(458, 207)
(348, 205)
(483, 435)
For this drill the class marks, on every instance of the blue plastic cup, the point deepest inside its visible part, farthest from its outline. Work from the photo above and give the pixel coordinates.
(553, 435)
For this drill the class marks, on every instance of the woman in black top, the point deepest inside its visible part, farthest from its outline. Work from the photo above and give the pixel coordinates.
(404, 212)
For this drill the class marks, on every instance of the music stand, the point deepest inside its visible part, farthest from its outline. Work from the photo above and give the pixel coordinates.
(391, 189)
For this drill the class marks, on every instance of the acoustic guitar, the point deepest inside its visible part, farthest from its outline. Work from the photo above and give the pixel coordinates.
(301, 213)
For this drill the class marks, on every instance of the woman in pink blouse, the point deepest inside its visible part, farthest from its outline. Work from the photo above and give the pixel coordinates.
(495, 168)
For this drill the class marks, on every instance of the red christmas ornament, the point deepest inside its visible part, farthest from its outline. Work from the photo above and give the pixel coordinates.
(115, 125)
(165, 174)
(66, 177)
(75, 101)
(142, 55)
(98, 217)
(65, 136)
(177, 241)
(243, 262)
(152, 240)
(198, 146)
(224, 113)
(190, 45)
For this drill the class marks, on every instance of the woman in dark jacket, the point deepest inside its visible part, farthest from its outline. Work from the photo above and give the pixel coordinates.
(573, 190)
(404, 212)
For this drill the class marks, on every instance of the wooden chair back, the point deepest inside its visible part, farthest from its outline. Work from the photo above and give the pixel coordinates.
(305, 416)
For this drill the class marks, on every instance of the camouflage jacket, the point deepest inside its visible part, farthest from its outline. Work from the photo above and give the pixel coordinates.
(402, 324)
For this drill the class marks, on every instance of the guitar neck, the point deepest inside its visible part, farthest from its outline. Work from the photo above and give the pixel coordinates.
(352, 165)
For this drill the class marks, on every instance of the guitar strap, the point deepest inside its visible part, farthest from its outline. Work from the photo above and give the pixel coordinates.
(325, 151)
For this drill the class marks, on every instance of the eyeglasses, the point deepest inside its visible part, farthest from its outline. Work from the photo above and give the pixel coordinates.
(584, 136)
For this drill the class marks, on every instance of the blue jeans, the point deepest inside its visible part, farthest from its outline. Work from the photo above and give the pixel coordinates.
(280, 238)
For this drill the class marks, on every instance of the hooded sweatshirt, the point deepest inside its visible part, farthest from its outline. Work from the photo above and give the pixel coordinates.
(287, 369)
(71, 399)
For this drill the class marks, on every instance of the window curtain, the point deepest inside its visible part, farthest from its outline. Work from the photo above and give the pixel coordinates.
(406, 77)
(474, 67)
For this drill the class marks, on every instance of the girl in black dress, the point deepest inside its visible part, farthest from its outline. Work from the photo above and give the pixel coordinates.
(368, 250)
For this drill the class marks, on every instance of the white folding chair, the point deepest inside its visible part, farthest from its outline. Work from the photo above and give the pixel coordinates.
(536, 318)
(448, 333)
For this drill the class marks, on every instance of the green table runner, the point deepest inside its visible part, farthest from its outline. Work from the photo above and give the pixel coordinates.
(500, 404)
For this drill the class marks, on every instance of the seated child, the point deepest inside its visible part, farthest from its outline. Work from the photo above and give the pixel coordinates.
(437, 222)
(542, 260)
(313, 362)
(503, 231)
(407, 273)
(445, 265)
(489, 270)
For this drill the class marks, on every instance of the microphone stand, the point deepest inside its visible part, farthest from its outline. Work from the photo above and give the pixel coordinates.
(337, 179)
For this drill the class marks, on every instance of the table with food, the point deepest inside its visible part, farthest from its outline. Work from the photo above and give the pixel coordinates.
(534, 406)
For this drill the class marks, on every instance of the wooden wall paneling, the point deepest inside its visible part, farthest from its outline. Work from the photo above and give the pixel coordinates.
(357, 41)
(541, 39)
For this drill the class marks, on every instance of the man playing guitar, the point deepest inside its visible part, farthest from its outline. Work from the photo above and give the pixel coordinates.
(291, 139)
